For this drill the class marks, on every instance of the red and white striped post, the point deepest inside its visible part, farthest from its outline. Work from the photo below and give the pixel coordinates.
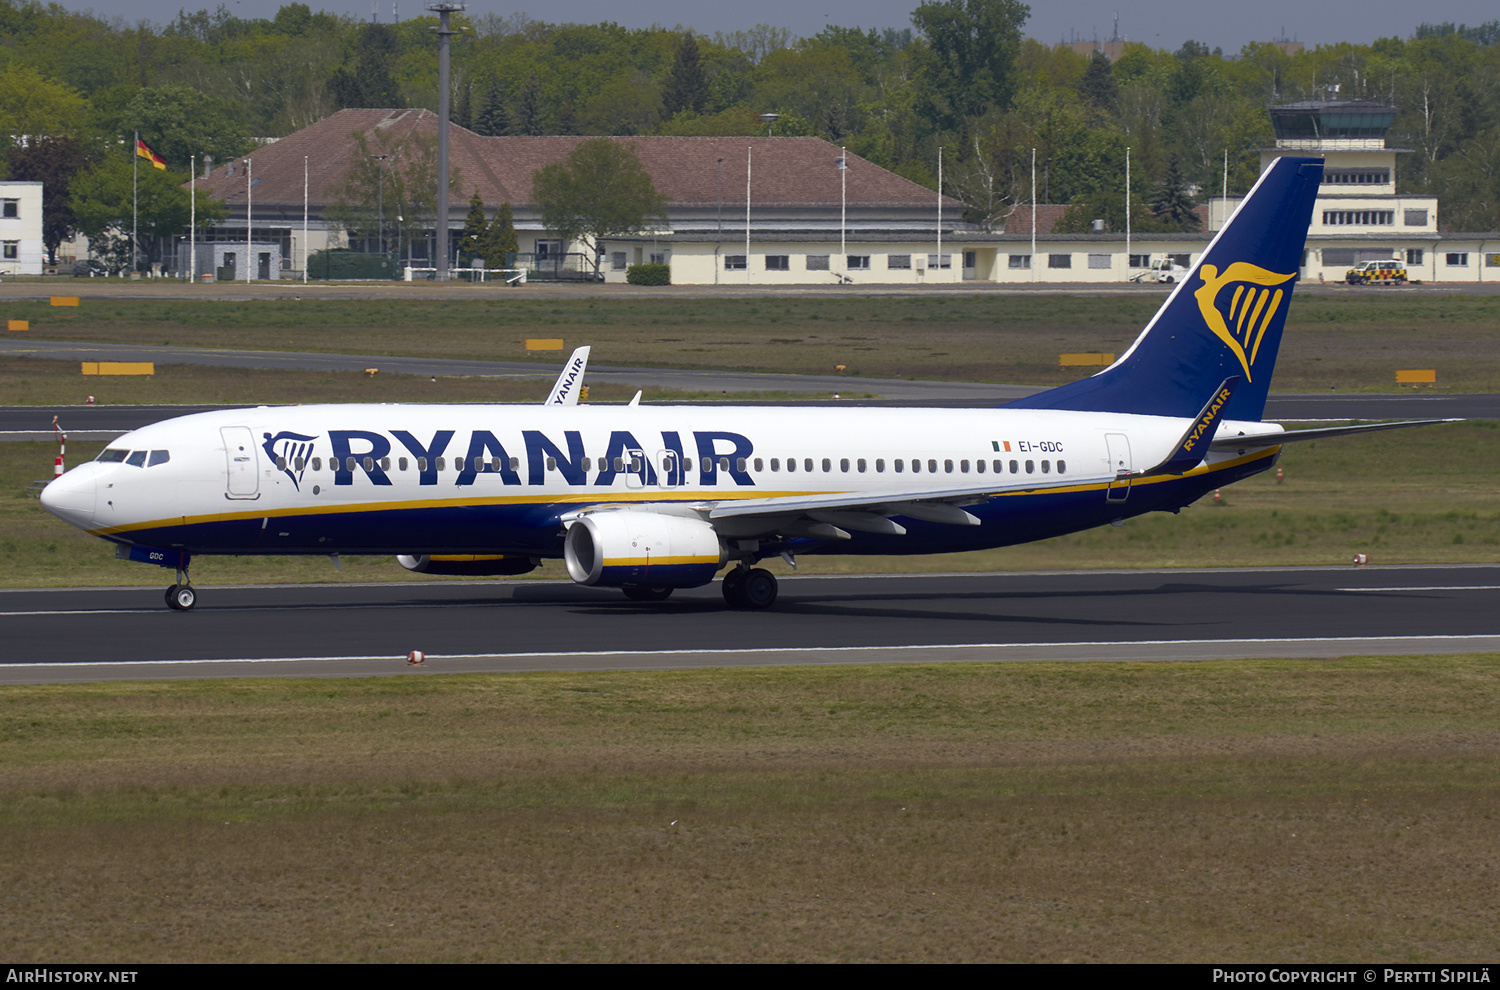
(62, 449)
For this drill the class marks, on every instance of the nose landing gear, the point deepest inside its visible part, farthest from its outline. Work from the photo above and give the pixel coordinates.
(181, 597)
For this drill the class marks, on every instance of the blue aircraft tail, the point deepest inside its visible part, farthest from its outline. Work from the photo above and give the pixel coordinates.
(1223, 320)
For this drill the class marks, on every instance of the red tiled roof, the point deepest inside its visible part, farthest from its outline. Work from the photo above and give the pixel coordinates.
(1047, 216)
(686, 170)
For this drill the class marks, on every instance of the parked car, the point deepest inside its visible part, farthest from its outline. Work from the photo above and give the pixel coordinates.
(88, 268)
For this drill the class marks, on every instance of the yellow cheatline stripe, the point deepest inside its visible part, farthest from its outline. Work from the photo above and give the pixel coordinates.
(596, 498)
(642, 495)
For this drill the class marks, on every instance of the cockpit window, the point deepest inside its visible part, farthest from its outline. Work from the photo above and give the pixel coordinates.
(113, 455)
(137, 458)
(159, 457)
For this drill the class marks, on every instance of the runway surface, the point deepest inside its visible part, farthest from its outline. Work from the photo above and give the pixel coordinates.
(512, 626)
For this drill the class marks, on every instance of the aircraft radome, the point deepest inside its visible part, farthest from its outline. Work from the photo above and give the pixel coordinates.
(652, 498)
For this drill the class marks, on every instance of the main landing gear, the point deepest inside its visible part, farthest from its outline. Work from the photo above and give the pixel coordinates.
(750, 588)
(181, 597)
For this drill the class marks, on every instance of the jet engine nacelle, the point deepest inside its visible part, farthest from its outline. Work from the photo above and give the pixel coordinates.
(467, 564)
(617, 547)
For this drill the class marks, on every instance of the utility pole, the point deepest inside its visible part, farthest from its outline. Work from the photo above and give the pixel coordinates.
(444, 9)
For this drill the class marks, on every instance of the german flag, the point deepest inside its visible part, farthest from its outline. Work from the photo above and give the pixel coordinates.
(142, 151)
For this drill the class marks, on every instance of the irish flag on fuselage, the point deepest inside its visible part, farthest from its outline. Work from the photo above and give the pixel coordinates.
(144, 152)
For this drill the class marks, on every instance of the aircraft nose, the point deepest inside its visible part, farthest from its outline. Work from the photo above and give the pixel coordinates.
(72, 497)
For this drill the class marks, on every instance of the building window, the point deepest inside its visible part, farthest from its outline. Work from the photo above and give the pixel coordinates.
(859, 262)
(778, 262)
(1357, 177)
(1413, 256)
(898, 261)
(658, 257)
(940, 261)
(1458, 259)
(1492, 260)
(1140, 261)
(1415, 218)
(1059, 261)
(734, 262)
(12, 250)
(1021, 261)
(617, 261)
(1099, 261)
(817, 262)
(1360, 218)
(10, 209)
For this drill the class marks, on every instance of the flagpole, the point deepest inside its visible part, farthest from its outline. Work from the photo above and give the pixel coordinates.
(193, 219)
(249, 164)
(305, 254)
(135, 175)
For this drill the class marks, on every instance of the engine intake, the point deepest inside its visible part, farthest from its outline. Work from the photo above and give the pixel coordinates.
(617, 547)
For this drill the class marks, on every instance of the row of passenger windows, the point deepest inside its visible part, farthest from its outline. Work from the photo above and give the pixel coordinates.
(808, 464)
(135, 458)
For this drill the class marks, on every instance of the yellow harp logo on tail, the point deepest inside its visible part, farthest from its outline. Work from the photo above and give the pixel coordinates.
(1250, 308)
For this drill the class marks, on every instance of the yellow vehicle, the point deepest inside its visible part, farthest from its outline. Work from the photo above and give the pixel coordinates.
(1385, 272)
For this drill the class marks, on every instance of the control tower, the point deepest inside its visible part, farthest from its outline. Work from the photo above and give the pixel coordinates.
(1359, 215)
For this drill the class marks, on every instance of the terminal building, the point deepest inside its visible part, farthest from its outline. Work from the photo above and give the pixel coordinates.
(801, 211)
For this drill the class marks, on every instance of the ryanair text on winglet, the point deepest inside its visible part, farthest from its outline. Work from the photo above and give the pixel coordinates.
(1207, 420)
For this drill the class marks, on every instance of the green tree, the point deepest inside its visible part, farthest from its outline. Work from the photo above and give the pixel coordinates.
(474, 227)
(500, 241)
(102, 203)
(401, 173)
(177, 122)
(1172, 204)
(687, 83)
(1099, 89)
(529, 117)
(33, 106)
(600, 191)
(491, 120)
(969, 59)
(54, 162)
(370, 83)
(463, 114)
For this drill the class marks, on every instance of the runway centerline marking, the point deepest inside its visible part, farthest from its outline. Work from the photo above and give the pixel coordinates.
(747, 651)
(1449, 587)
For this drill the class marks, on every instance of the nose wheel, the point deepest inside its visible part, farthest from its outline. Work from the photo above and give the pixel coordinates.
(181, 597)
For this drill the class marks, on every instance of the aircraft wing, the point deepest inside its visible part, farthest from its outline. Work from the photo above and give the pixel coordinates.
(829, 514)
(1259, 440)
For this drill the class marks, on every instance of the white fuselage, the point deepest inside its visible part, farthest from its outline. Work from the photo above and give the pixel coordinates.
(412, 479)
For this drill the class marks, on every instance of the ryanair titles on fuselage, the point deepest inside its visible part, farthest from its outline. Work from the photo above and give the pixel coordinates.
(662, 462)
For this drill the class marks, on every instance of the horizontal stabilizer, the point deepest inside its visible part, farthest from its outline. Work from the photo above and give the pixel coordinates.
(1322, 433)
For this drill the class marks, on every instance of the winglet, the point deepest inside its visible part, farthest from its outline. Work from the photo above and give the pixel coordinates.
(1193, 446)
(565, 392)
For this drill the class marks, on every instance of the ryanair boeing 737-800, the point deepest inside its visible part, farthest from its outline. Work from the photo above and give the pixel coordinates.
(648, 499)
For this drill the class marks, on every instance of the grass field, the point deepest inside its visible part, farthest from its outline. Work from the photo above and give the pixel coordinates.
(1425, 495)
(28, 381)
(1287, 811)
(1354, 341)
